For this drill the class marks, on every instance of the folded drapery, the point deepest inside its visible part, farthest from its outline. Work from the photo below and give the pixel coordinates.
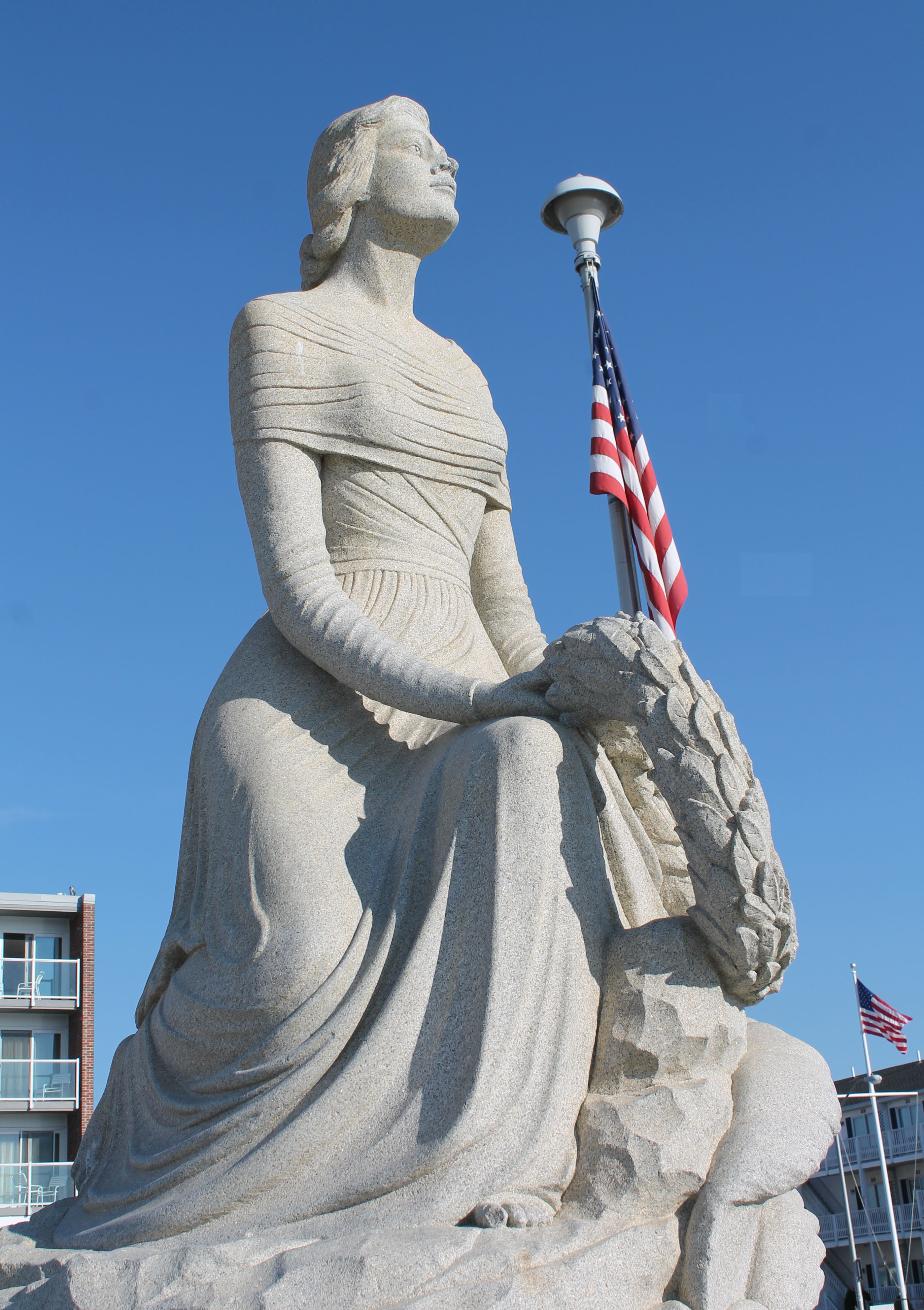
(337, 388)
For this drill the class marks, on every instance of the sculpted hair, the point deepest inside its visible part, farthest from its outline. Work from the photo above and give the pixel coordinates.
(338, 175)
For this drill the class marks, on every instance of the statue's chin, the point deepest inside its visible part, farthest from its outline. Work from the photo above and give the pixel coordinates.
(435, 231)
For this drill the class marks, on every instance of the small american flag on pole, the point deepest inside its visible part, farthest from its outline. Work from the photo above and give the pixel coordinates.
(620, 467)
(881, 1019)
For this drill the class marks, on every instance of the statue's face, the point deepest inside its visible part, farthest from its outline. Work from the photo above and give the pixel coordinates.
(412, 190)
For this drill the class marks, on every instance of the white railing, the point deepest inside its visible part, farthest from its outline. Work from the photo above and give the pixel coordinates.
(871, 1223)
(861, 1150)
(40, 1081)
(37, 980)
(887, 1295)
(27, 1186)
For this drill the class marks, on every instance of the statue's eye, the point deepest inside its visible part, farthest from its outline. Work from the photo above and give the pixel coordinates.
(418, 149)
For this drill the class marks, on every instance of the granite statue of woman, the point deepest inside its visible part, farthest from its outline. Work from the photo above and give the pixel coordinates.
(463, 923)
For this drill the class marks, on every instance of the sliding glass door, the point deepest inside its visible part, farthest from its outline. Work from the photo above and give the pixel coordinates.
(15, 1055)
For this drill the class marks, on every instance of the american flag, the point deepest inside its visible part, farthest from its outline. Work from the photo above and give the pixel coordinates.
(620, 467)
(881, 1019)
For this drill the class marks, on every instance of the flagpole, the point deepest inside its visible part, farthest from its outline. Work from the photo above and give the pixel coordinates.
(587, 267)
(871, 1080)
(582, 206)
(857, 1280)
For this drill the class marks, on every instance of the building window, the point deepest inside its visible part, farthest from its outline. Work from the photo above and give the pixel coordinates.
(19, 1151)
(48, 948)
(16, 951)
(899, 1117)
(15, 1052)
(33, 963)
(31, 1067)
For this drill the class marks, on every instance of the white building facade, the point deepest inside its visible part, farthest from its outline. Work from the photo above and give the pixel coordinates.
(901, 1115)
(46, 1045)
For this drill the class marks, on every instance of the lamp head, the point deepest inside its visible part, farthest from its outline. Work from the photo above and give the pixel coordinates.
(582, 206)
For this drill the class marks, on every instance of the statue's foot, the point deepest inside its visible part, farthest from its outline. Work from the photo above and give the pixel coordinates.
(524, 1212)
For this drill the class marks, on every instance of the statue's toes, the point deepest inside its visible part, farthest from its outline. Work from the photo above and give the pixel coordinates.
(488, 1215)
(528, 1214)
(525, 1212)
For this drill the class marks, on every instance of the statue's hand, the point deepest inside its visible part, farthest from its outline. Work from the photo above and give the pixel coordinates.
(523, 694)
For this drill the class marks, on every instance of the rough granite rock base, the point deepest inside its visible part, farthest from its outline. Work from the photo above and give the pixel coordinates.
(429, 1268)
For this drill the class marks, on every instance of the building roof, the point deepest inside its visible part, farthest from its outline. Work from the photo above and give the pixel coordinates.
(42, 902)
(907, 1077)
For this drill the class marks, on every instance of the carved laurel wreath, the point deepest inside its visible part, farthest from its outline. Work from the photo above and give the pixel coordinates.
(686, 773)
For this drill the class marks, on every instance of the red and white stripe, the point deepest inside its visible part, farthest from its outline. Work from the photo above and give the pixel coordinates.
(617, 470)
(880, 1019)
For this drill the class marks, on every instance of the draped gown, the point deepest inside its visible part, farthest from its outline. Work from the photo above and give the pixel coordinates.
(376, 999)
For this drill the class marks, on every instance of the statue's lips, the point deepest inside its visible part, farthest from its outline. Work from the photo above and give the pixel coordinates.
(445, 186)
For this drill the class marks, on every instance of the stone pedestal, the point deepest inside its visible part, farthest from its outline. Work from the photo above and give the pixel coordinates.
(566, 1263)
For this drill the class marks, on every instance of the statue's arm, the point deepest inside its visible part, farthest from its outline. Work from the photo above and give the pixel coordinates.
(281, 488)
(501, 597)
(280, 485)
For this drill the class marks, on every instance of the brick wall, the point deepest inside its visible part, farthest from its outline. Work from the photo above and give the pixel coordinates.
(83, 942)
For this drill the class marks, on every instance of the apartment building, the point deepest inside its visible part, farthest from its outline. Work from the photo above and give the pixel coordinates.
(46, 1045)
(901, 1115)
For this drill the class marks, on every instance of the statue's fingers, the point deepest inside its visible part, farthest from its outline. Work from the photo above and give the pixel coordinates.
(536, 679)
(553, 695)
(535, 704)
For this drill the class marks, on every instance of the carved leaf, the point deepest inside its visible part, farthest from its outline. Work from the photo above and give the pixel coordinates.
(750, 943)
(678, 714)
(704, 723)
(650, 635)
(742, 861)
(767, 886)
(728, 730)
(655, 669)
(709, 828)
(755, 834)
(732, 782)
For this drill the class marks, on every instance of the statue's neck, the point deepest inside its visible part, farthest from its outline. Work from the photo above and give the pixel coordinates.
(382, 278)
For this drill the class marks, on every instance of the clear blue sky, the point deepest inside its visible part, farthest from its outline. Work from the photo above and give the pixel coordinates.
(765, 286)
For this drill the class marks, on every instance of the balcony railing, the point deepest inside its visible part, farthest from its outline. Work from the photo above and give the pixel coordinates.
(38, 1082)
(864, 1150)
(26, 1187)
(887, 1295)
(872, 1223)
(40, 981)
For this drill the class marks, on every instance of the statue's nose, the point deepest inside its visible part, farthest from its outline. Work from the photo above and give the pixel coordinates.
(445, 165)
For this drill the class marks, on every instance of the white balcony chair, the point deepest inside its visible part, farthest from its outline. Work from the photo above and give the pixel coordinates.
(25, 990)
